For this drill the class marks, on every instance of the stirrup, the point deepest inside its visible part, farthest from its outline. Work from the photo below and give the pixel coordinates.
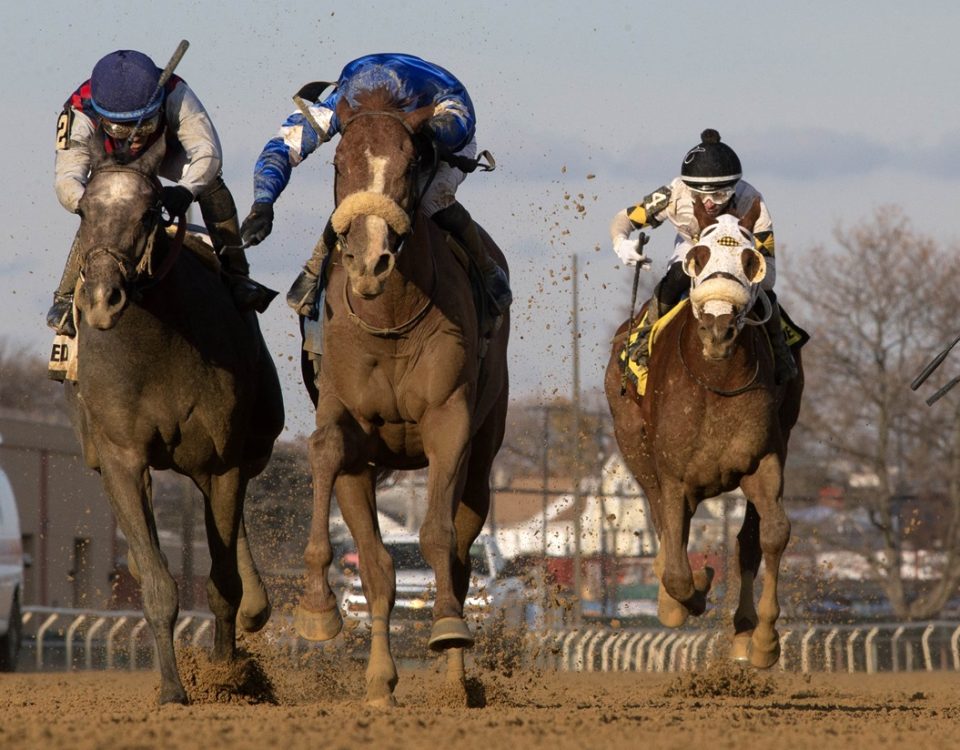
(498, 289)
(303, 294)
(60, 315)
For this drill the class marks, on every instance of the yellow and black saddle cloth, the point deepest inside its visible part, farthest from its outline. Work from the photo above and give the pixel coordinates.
(632, 349)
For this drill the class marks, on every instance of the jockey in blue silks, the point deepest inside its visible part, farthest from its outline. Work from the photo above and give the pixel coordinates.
(417, 83)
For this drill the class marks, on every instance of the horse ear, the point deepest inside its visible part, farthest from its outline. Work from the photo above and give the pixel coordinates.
(754, 265)
(149, 163)
(704, 219)
(749, 219)
(696, 260)
(419, 117)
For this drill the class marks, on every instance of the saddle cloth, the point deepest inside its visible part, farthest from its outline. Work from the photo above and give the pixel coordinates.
(637, 371)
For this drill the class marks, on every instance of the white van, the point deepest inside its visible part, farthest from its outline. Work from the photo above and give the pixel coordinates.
(11, 577)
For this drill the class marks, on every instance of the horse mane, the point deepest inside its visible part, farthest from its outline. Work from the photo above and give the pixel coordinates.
(376, 88)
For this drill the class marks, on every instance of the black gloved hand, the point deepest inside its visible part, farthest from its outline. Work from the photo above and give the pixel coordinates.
(176, 199)
(258, 224)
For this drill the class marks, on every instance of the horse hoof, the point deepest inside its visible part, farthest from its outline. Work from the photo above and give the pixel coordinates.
(176, 696)
(317, 626)
(450, 632)
(740, 650)
(764, 658)
(381, 701)
(254, 623)
(702, 579)
(671, 613)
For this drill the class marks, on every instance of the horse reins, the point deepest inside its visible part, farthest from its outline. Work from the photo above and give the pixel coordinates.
(412, 322)
(144, 265)
(752, 384)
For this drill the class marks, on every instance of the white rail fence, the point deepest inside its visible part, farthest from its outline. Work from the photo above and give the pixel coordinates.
(89, 639)
(870, 648)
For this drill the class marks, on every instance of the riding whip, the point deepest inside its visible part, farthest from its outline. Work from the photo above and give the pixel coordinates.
(934, 364)
(165, 74)
(943, 391)
(642, 240)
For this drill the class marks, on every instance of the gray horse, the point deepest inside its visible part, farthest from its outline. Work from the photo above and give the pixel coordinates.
(171, 376)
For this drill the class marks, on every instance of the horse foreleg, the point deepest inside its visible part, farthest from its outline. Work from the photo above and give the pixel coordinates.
(355, 495)
(774, 535)
(445, 434)
(748, 558)
(682, 591)
(317, 617)
(222, 512)
(126, 479)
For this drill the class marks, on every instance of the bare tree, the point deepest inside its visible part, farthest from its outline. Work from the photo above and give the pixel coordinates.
(539, 429)
(883, 300)
(24, 386)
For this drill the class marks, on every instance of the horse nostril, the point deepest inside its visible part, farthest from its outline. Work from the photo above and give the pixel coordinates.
(383, 264)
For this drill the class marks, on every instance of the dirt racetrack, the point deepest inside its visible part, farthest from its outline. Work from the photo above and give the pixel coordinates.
(303, 707)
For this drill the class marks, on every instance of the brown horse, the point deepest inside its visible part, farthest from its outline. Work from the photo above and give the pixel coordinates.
(405, 384)
(713, 419)
(171, 376)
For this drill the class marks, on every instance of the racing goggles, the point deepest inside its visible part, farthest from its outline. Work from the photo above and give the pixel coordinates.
(121, 131)
(719, 196)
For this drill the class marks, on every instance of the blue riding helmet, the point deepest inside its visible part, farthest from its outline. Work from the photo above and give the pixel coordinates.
(123, 86)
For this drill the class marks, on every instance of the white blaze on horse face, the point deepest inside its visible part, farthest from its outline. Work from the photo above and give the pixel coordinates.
(377, 229)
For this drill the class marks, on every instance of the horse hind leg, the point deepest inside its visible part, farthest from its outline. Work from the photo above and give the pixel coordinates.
(255, 603)
(748, 557)
(223, 514)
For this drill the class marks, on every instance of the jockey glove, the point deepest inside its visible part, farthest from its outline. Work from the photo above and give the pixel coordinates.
(258, 224)
(176, 199)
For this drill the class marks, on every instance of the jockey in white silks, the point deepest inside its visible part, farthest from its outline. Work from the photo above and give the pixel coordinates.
(122, 105)
(710, 171)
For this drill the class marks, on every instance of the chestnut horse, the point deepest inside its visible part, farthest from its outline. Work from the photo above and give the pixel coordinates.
(405, 384)
(712, 419)
(170, 376)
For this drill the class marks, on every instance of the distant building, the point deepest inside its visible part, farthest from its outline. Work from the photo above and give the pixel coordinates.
(69, 538)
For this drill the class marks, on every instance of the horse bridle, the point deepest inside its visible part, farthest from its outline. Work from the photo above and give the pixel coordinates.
(417, 194)
(142, 276)
(411, 323)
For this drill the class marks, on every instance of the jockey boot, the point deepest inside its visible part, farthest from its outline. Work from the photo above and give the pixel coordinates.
(220, 216)
(60, 314)
(457, 220)
(306, 288)
(784, 365)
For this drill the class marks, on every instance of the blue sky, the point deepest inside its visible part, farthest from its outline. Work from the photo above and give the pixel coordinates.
(834, 110)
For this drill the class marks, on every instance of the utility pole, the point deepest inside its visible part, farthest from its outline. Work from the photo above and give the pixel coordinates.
(545, 477)
(577, 500)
